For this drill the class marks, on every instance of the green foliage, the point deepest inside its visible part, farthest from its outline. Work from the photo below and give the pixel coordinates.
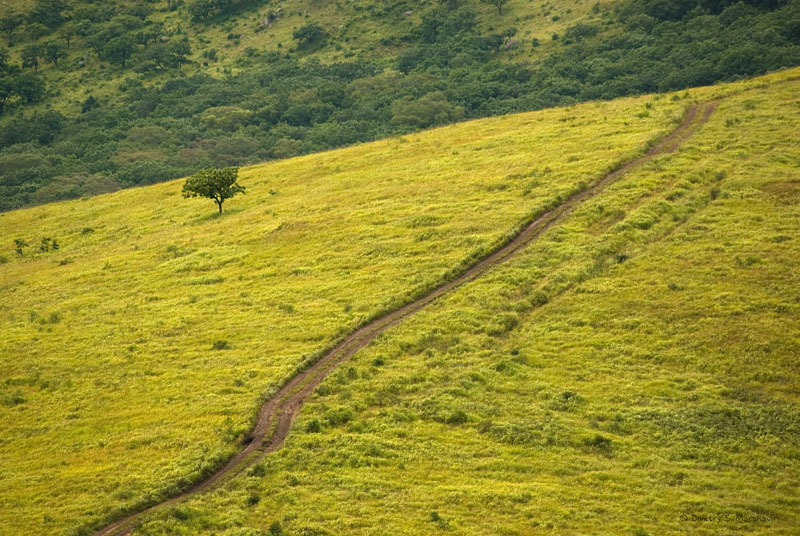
(213, 183)
(496, 3)
(118, 50)
(53, 51)
(48, 244)
(310, 34)
(30, 57)
(450, 57)
(49, 13)
(11, 22)
(220, 345)
(19, 245)
(202, 10)
(429, 110)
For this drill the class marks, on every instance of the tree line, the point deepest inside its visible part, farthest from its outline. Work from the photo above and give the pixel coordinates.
(282, 104)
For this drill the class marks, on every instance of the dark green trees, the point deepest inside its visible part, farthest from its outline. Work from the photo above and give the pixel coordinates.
(213, 183)
(310, 34)
(496, 3)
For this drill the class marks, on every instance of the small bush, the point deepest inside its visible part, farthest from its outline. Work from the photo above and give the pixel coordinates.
(181, 514)
(47, 244)
(313, 426)
(19, 245)
(539, 298)
(253, 499)
(598, 442)
(457, 418)
(14, 399)
(259, 470)
(338, 416)
(220, 345)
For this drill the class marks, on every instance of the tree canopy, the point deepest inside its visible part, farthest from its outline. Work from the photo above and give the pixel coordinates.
(213, 183)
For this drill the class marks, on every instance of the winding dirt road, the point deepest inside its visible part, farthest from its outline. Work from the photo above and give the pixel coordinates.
(277, 414)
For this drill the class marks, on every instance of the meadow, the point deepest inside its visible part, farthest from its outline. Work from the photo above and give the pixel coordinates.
(135, 355)
(632, 372)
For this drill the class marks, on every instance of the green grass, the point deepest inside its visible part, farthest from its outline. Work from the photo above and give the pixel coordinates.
(655, 392)
(111, 384)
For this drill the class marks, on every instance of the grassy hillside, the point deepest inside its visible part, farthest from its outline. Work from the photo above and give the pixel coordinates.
(96, 96)
(134, 356)
(634, 372)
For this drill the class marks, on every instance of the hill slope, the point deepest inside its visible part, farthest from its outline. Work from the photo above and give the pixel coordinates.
(111, 380)
(642, 350)
(635, 371)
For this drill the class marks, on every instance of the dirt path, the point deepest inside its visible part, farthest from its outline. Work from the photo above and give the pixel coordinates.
(277, 414)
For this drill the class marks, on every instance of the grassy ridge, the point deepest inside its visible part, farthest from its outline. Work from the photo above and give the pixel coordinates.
(110, 383)
(634, 372)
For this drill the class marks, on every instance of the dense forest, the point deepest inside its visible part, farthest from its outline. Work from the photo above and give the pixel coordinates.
(447, 67)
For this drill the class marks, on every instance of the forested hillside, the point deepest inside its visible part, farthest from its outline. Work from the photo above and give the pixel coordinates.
(98, 96)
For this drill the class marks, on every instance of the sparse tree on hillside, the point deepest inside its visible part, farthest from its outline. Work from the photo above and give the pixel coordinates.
(213, 183)
(48, 12)
(6, 91)
(36, 31)
(30, 57)
(68, 31)
(53, 51)
(310, 33)
(450, 4)
(118, 50)
(30, 87)
(496, 3)
(10, 23)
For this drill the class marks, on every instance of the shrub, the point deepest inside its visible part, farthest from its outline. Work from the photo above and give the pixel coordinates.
(258, 470)
(313, 426)
(598, 442)
(220, 345)
(338, 416)
(457, 418)
(19, 245)
(310, 33)
(539, 298)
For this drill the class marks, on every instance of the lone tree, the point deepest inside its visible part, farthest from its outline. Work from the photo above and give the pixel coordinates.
(213, 183)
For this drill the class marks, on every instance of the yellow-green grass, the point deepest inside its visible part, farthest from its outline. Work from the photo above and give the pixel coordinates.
(112, 396)
(654, 393)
